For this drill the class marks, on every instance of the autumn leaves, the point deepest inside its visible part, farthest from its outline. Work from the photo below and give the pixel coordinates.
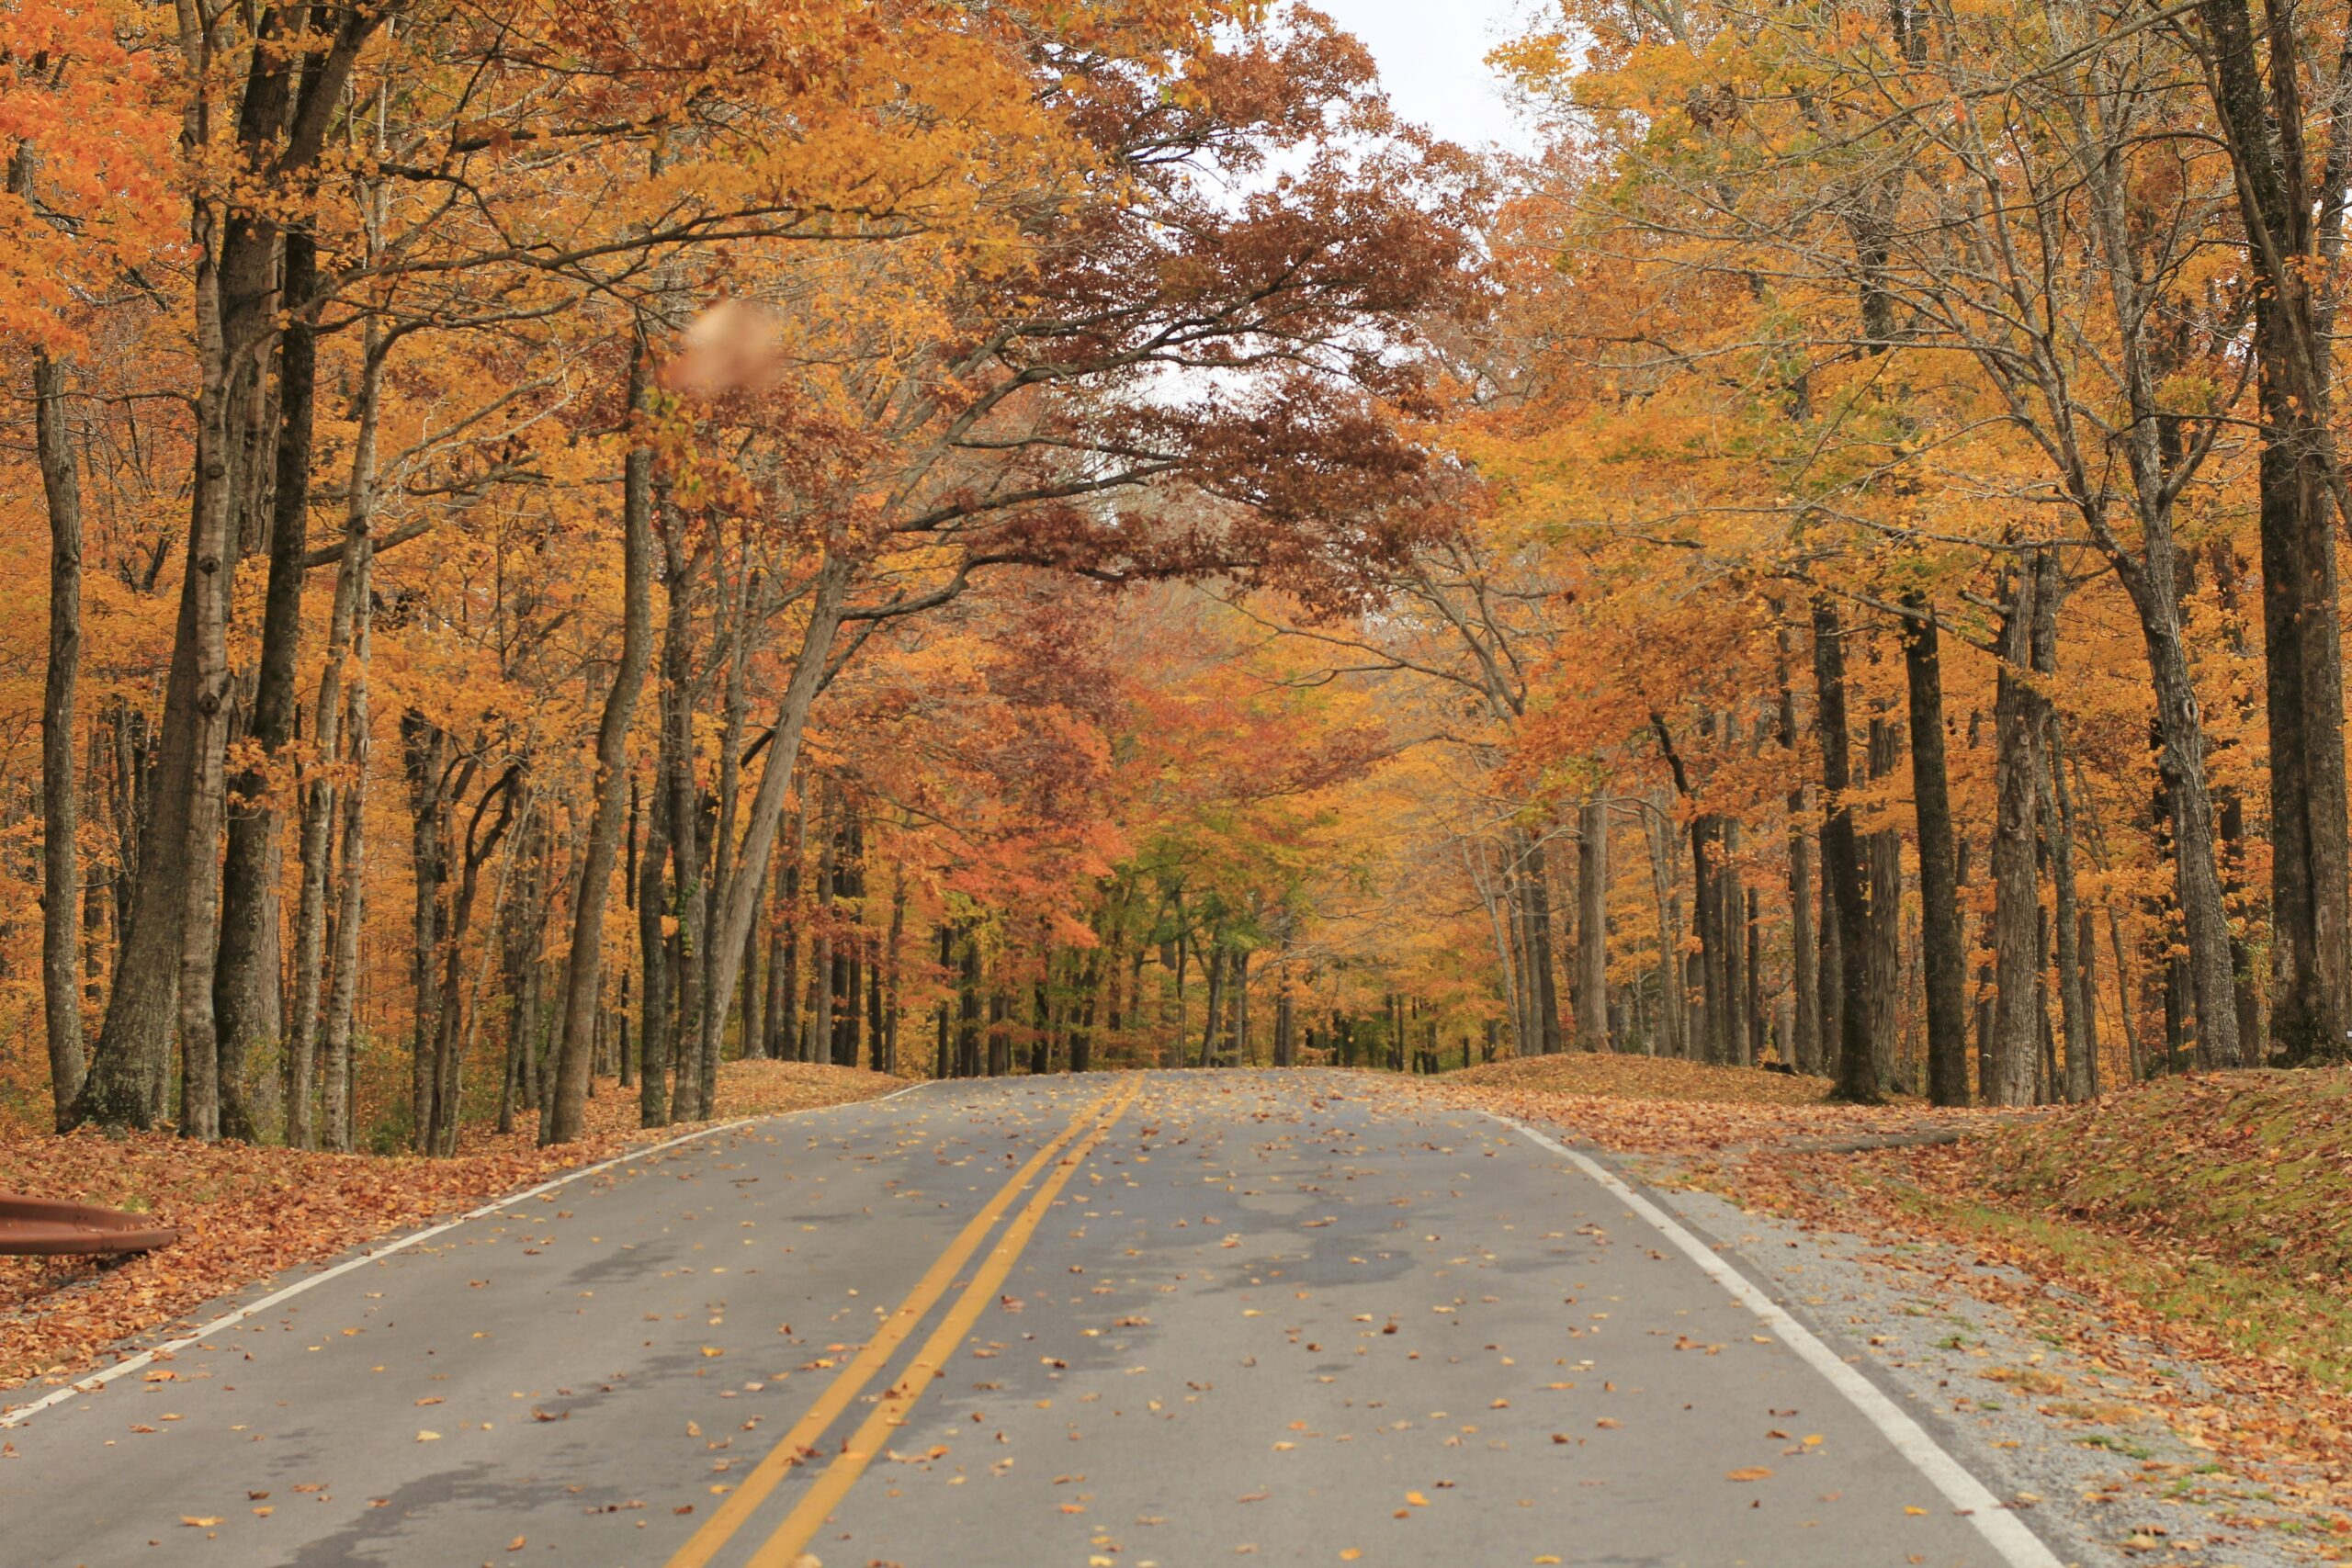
(641, 373)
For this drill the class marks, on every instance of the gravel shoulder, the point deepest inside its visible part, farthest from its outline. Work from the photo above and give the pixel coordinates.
(1980, 1348)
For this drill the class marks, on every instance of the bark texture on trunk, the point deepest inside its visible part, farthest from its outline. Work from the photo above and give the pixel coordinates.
(2299, 482)
(60, 891)
(1841, 863)
(1943, 946)
(1802, 1050)
(342, 994)
(1592, 924)
(1882, 862)
(2016, 903)
(565, 1116)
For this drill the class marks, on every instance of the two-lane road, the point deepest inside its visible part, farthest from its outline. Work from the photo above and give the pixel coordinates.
(1165, 1319)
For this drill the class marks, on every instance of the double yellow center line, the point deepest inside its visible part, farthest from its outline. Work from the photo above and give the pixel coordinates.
(1070, 1146)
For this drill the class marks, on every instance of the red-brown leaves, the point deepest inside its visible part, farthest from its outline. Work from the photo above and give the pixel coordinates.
(246, 1213)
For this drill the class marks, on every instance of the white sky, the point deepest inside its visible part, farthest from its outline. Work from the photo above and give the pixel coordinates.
(1431, 55)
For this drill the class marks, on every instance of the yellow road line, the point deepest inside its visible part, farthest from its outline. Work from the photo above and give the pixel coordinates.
(809, 1516)
(745, 1499)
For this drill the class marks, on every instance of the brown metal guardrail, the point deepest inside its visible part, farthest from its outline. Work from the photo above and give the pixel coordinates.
(53, 1227)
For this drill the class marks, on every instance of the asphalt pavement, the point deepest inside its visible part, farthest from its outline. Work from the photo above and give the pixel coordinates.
(1111, 1321)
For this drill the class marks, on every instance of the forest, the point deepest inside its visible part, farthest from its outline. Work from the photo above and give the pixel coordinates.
(551, 549)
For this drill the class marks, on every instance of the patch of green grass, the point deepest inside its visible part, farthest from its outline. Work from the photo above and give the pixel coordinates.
(2114, 1444)
(2260, 1311)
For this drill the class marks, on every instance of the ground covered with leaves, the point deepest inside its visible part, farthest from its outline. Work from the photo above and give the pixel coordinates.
(1657, 1105)
(2203, 1222)
(2220, 1205)
(245, 1213)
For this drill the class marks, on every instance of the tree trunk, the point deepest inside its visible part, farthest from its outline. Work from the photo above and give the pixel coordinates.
(1802, 1050)
(1756, 1025)
(1943, 946)
(210, 562)
(319, 795)
(849, 883)
(1238, 1055)
(655, 1031)
(1000, 1040)
(971, 1057)
(1710, 893)
(820, 1043)
(1544, 985)
(1217, 997)
(784, 965)
(1841, 864)
(1882, 863)
(442, 1113)
(2016, 903)
(1731, 907)
(676, 762)
(1286, 1021)
(2189, 803)
(886, 1042)
(2261, 118)
(751, 1031)
(566, 1114)
(828, 599)
(247, 988)
(425, 754)
(343, 993)
(60, 894)
(1672, 1020)
(1830, 971)
(1592, 923)
(2058, 834)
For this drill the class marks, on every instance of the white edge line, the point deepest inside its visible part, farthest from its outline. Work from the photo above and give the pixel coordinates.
(146, 1357)
(2018, 1546)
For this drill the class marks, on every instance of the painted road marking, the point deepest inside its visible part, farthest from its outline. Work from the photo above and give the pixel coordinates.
(782, 1549)
(2019, 1546)
(788, 1450)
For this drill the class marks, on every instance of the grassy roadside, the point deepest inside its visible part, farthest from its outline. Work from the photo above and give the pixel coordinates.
(2186, 1236)
(246, 1213)
(2220, 1203)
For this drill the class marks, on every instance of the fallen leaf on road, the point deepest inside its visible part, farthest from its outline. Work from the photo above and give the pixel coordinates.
(428, 1437)
(1752, 1472)
(203, 1524)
